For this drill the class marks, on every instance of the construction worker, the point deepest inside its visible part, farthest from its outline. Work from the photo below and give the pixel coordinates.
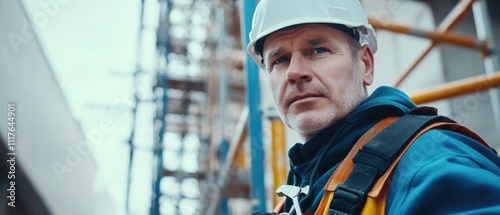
(318, 59)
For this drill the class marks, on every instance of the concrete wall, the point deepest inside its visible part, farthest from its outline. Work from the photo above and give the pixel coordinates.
(444, 64)
(474, 110)
(50, 145)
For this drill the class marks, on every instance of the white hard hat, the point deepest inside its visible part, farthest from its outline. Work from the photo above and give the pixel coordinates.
(273, 15)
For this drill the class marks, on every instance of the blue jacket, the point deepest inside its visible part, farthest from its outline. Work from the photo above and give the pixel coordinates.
(443, 172)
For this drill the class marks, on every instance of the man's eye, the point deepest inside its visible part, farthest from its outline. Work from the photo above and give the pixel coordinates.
(319, 50)
(281, 60)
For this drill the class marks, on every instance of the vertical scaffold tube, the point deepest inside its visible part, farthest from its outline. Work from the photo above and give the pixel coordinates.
(279, 155)
(484, 31)
(257, 187)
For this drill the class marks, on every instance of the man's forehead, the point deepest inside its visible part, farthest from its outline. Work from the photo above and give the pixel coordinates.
(277, 46)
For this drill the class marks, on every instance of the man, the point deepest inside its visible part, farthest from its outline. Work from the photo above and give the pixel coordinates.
(318, 59)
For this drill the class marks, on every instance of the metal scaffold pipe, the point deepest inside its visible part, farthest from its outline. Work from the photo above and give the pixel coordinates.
(484, 31)
(235, 147)
(441, 37)
(134, 108)
(257, 186)
(279, 154)
(160, 119)
(456, 88)
(448, 23)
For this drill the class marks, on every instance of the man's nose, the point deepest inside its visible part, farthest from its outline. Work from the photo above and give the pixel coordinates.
(298, 71)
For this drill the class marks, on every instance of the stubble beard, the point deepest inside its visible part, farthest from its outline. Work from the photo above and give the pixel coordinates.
(350, 97)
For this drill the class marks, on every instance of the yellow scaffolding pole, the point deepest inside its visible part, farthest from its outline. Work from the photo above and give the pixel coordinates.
(440, 37)
(457, 88)
(279, 155)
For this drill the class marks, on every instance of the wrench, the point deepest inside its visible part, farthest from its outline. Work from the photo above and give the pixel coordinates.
(292, 192)
(305, 190)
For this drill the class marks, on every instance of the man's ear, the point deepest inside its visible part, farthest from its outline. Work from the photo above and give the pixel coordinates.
(366, 58)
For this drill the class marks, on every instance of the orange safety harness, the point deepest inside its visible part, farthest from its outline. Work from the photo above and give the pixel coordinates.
(354, 201)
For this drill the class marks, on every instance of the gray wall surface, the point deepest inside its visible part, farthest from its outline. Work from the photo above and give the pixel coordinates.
(474, 110)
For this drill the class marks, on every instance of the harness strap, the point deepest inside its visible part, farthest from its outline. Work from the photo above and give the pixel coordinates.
(374, 158)
(350, 192)
(341, 173)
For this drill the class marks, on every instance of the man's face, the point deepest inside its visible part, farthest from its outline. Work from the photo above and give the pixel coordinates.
(314, 78)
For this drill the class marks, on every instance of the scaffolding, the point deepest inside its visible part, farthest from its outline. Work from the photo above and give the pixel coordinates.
(196, 96)
(442, 34)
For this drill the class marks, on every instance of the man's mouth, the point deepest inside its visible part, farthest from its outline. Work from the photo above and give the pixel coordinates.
(301, 97)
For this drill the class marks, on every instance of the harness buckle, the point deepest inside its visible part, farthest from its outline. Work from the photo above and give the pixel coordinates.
(346, 200)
